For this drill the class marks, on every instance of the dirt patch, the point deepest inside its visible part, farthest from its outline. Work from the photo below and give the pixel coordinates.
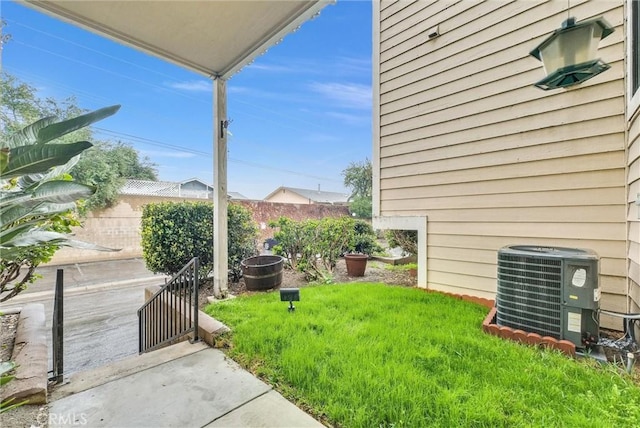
(376, 272)
(28, 415)
(8, 326)
(618, 357)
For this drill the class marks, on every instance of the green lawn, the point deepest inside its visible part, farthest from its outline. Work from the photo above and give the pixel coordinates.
(372, 355)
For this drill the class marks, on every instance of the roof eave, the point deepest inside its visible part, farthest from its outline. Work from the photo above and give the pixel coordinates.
(249, 56)
(242, 59)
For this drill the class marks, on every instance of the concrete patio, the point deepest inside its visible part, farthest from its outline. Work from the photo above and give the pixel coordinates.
(185, 385)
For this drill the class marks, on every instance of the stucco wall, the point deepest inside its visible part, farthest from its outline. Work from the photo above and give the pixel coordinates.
(119, 226)
(264, 211)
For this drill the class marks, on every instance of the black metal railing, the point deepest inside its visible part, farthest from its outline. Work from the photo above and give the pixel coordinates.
(172, 312)
(57, 329)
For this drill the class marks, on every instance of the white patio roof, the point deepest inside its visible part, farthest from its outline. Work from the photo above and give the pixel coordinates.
(214, 38)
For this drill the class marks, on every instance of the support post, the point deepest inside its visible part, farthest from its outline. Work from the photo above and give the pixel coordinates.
(220, 232)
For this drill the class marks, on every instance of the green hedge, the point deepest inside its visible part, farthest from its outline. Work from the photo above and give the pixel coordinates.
(174, 233)
(314, 246)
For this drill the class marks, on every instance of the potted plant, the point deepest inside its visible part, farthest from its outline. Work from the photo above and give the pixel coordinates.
(361, 245)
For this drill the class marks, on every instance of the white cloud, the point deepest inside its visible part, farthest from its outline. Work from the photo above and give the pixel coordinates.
(191, 85)
(350, 119)
(272, 68)
(354, 66)
(348, 95)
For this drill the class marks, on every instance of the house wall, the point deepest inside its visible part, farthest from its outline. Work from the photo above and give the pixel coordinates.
(287, 197)
(468, 141)
(634, 212)
(119, 226)
(633, 177)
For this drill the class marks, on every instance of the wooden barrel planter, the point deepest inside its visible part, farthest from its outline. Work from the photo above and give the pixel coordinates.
(356, 264)
(262, 272)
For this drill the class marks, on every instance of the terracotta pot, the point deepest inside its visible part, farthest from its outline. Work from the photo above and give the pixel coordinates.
(356, 264)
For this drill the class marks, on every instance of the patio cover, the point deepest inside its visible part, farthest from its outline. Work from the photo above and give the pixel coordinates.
(213, 38)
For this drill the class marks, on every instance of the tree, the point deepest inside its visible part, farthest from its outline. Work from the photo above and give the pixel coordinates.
(358, 178)
(106, 165)
(20, 105)
(38, 196)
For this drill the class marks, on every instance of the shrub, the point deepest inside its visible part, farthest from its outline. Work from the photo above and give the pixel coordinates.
(174, 233)
(361, 206)
(405, 239)
(290, 240)
(314, 246)
(243, 234)
(364, 238)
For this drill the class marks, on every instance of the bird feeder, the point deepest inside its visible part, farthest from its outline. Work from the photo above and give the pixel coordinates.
(569, 55)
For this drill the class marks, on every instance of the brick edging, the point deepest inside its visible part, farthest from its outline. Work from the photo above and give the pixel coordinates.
(489, 326)
(487, 303)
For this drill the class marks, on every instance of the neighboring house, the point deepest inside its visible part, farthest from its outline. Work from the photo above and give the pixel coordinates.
(192, 188)
(196, 187)
(235, 196)
(472, 155)
(291, 195)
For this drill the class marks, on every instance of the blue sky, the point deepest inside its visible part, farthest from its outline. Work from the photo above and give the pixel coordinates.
(300, 113)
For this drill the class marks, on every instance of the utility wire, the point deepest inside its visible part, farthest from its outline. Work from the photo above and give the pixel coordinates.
(142, 82)
(99, 52)
(100, 100)
(157, 143)
(238, 112)
(315, 124)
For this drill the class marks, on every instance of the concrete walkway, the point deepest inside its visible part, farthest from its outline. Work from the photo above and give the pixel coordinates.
(185, 385)
(82, 277)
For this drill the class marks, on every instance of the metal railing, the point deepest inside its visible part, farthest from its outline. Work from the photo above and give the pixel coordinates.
(57, 329)
(171, 312)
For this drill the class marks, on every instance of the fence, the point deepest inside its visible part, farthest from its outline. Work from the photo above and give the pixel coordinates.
(172, 312)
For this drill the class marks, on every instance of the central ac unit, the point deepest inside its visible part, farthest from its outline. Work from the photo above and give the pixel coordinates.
(549, 291)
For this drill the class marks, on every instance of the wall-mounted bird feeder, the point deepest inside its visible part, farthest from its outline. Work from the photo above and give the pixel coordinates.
(569, 54)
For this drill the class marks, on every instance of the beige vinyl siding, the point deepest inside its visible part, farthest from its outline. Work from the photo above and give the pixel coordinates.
(466, 139)
(633, 210)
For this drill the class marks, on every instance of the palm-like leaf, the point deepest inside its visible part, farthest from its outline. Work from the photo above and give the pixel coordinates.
(29, 134)
(56, 191)
(27, 182)
(37, 196)
(34, 159)
(19, 211)
(6, 367)
(9, 233)
(38, 236)
(57, 130)
(4, 158)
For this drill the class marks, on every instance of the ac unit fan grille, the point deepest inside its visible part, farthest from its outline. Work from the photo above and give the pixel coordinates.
(529, 294)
